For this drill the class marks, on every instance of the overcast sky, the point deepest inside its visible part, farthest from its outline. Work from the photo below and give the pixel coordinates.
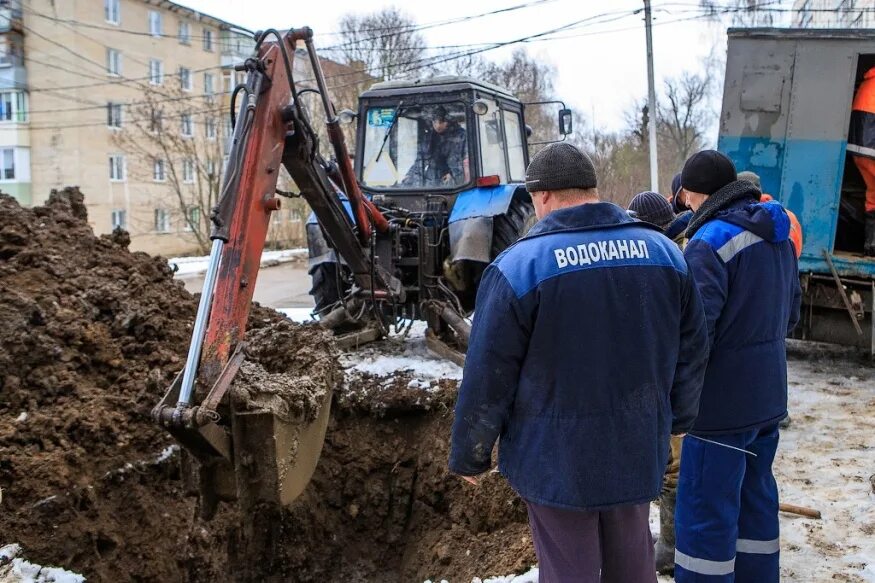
(601, 63)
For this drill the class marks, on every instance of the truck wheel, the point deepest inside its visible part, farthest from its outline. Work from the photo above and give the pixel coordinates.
(324, 286)
(516, 222)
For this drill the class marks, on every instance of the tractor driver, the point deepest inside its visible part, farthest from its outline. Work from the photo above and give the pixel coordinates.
(443, 160)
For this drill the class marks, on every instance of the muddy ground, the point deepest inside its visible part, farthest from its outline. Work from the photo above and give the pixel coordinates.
(90, 337)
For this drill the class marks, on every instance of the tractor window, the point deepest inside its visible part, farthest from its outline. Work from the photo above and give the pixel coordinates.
(515, 157)
(425, 147)
(492, 151)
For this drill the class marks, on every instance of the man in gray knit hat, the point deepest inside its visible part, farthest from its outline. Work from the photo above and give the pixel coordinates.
(583, 429)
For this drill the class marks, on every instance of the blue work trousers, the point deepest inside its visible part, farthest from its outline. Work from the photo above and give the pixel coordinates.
(727, 509)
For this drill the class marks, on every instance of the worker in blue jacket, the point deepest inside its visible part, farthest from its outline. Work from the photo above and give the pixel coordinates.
(744, 265)
(587, 351)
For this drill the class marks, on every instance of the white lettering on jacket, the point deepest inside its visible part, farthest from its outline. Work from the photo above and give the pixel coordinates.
(602, 251)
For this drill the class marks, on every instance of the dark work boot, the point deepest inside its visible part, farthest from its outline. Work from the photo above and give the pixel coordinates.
(869, 243)
(664, 550)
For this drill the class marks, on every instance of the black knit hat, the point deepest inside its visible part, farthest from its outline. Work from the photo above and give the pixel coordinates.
(559, 166)
(707, 171)
(651, 207)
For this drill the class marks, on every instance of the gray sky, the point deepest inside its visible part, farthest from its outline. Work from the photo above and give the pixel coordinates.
(601, 64)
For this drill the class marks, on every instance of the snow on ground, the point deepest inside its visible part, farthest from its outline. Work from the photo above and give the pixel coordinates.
(190, 266)
(826, 460)
(14, 569)
(299, 315)
(402, 353)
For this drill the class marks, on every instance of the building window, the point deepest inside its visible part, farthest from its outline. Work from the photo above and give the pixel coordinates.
(159, 172)
(187, 125)
(117, 168)
(185, 79)
(211, 168)
(155, 23)
(188, 171)
(209, 89)
(162, 221)
(211, 128)
(114, 115)
(13, 106)
(184, 33)
(111, 11)
(156, 72)
(156, 123)
(113, 62)
(193, 218)
(227, 81)
(119, 219)
(11, 51)
(7, 164)
(208, 39)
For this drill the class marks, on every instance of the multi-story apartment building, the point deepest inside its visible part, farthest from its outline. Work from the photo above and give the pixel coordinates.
(123, 98)
(833, 14)
(129, 100)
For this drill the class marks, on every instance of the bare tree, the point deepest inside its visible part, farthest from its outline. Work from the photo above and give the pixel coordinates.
(684, 114)
(386, 43)
(175, 139)
(742, 12)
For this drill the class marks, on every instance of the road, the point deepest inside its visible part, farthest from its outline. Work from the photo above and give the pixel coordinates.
(281, 286)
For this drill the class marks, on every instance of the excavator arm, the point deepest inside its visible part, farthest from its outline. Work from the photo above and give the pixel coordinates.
(271, 128)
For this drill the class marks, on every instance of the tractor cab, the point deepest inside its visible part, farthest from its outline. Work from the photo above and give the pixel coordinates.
(446, 135)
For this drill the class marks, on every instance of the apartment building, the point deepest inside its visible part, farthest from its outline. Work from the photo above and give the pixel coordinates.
(87, 88)
(129, 100)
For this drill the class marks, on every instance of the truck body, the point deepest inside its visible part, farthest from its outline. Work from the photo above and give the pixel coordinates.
(786, 114)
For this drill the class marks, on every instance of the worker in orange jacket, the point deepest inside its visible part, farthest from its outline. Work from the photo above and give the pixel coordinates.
(861, 143)
(795, 227)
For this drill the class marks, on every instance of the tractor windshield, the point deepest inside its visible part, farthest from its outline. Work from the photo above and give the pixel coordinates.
(416, 146)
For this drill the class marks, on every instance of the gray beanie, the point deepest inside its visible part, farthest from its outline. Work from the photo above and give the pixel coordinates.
(751, 177)
(560, 166)
(651, 207)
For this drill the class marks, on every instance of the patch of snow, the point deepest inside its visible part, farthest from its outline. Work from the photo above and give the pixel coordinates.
(530, 577)
(402, 353)
(22, 417)
(190, 266)
(165, 454)
(14, 569)
(299, 315)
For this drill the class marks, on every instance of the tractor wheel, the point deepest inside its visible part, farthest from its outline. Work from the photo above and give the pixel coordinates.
(324, 286)
(516, 222)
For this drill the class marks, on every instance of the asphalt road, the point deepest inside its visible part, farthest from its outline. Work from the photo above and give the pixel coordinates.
(281, 286)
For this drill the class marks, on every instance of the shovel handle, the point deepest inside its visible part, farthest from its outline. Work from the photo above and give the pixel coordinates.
(800, 510)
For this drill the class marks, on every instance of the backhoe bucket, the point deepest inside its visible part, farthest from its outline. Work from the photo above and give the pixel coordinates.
(274, 458)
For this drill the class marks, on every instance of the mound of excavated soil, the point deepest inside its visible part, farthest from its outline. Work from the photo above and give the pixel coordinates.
(90, 337)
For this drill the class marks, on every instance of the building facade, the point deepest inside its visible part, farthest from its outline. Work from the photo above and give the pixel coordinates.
(128, 100)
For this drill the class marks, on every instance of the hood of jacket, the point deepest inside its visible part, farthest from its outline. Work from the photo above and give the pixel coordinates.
(738, 203)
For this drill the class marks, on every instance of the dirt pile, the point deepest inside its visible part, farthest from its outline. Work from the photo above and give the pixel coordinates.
(90, 337)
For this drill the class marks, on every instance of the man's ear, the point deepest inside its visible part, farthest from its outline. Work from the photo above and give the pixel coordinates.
(546, 197)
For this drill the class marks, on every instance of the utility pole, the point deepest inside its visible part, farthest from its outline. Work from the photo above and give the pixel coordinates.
(651, 100)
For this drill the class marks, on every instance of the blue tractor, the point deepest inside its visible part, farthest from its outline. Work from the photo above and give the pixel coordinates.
(444, 161)
(786, 116)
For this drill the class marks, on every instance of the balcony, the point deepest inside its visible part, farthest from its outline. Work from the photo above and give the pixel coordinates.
(13, 74)
(10, 16)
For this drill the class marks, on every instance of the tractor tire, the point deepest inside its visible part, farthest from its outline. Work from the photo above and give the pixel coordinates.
(324, 283)
(510, 226)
